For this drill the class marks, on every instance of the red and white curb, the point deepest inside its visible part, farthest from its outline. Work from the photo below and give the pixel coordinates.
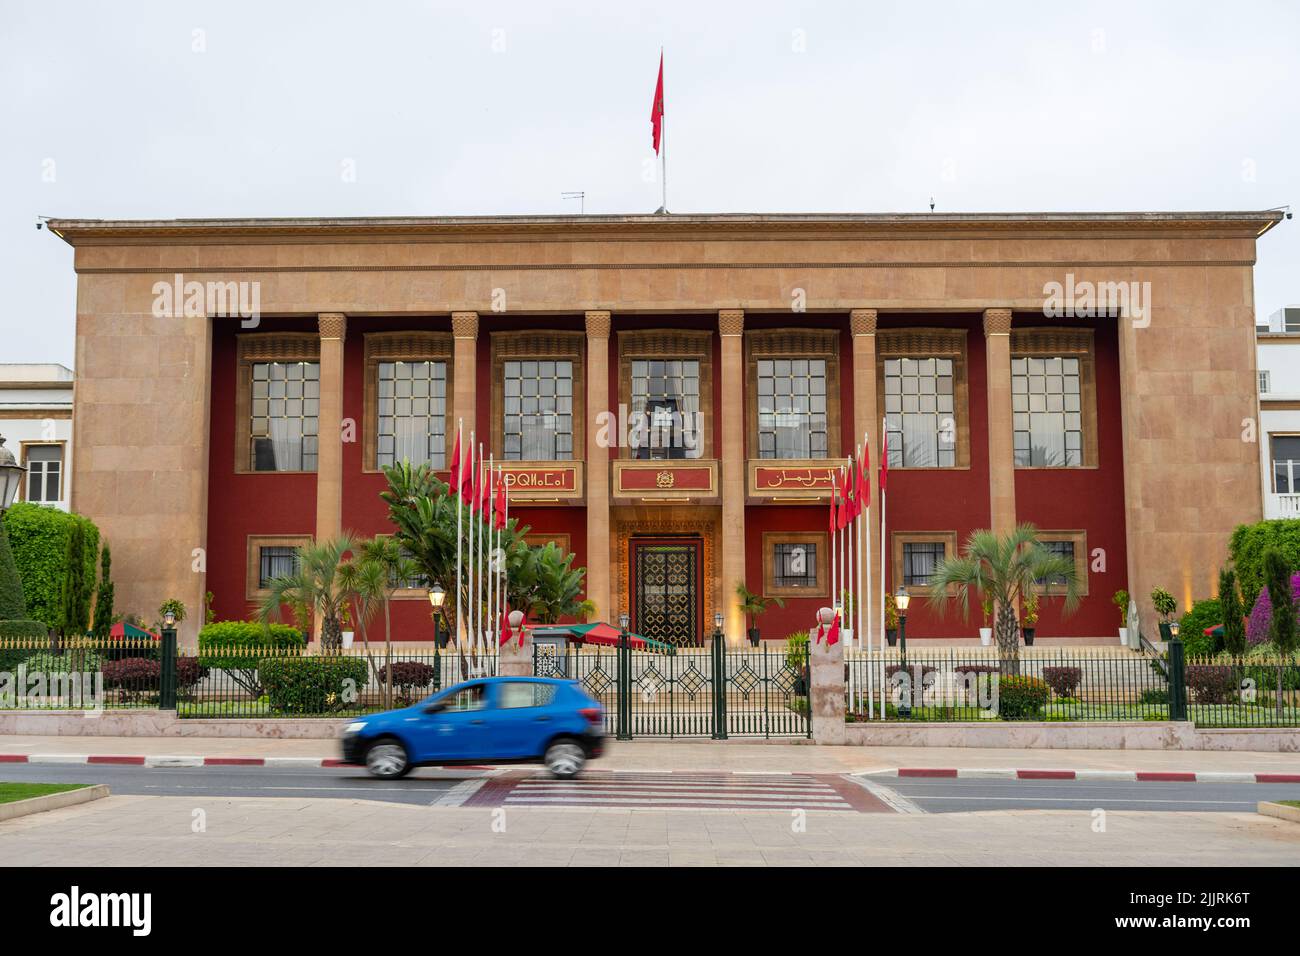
(1130, 776)
(167, 760)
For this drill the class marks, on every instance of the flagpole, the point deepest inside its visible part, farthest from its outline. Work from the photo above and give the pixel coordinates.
(663, 137)
(478, 599)
(884, 463)
(460, 456)
(864, 536)
(492, 537)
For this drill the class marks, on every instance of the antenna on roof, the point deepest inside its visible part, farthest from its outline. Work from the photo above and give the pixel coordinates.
(580, 196)
(931, 204)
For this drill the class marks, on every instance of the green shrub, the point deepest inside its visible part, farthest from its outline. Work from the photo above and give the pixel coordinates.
(1154, 696)
(1021, 698)
(13, 606)
(796, 650)
(17, 641)
(1249, 543)
(39, 538)
(71, 661)
(1191, 629)
(1064, 681)
(1164, 603)
(321, 684)
(241, 647)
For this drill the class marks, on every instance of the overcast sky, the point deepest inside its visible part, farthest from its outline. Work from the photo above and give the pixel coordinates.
(243, 108)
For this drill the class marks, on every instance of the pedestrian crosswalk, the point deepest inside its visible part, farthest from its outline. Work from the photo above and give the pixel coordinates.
(691, 791)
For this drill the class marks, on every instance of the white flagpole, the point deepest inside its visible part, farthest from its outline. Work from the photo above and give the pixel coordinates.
(864, 536)
(491, 536)
(460, 457)
(469, 610)
(478, 598)
(884, 463)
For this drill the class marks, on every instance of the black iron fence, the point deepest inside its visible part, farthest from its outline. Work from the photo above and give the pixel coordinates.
(1048, 684)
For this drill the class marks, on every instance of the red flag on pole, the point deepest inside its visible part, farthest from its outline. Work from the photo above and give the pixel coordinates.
(468, 480)
(884, 457)
(657, 108)
(506, 633)
(864, 479)
(453, 480)
(482, 504)
(499, 506)
(834, 524)
(833, 632)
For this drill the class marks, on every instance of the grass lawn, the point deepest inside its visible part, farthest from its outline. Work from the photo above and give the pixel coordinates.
(9, 792)
(1290, 803)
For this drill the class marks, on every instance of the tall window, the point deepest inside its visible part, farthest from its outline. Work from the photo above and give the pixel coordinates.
(1286, 464)
(412, 407)
(44, 473)
(538, 411)
(1263, 382)
(792, 420)
(795, 565)
(284, 414)
(922, 426)
(1045, 405)
(666, 408)
(275, 562)
(1062, 549)
(919, 561)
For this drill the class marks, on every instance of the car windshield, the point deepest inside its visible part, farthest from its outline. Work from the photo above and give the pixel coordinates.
(464, 697)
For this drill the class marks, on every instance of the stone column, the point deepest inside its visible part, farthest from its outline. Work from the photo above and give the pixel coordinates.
(731, 326)
(329, 460)
(598, 530)
(826, 686)
(866, 418)
(1002, 462)
(464, 330)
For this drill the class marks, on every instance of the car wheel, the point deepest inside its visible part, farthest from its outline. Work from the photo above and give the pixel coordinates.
(387, 759)
(565, 758)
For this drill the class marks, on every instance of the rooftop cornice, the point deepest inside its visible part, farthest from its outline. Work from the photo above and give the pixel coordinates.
(1242, 224)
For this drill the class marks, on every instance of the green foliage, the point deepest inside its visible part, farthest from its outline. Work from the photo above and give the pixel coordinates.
(176, 606)
(13, 606)
(240, 648)
(17, 639)
(549, 587)
(1191, 629)
(1234, 614)
(71, 661)
(1030, 616)
(1249, 544)
(104, 595)
(1121, 600)
(39, 536)
(796, 650)
(74, 598)
(1021, 698)
(891, 613)
(316, 590)
(1164, 604)
(322, 684)
(752, 605)
(1277, 578)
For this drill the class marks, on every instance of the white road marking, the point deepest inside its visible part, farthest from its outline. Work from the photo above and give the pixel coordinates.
(457, 795)
(891, 798)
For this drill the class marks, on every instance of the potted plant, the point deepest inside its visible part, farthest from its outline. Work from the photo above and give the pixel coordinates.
(846, 620)
(796, 658)
(1120, 600)
(986, 632)
(891, 620)
(1165, 606)
(345, 622)
(1029, 620)
(752, 605)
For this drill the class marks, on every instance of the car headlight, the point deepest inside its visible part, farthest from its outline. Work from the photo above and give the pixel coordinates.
(355, 727)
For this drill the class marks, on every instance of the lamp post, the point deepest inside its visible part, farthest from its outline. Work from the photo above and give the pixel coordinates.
(167, 674)
(623, 729)
(436, 597)
(902, 599)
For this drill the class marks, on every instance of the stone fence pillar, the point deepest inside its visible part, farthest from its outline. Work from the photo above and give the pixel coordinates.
(826, 684)
(517, 655)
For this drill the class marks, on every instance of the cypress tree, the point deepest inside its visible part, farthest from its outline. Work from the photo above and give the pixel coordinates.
(1234, 625)
(74, 605)
(13, 606)
(104, 595)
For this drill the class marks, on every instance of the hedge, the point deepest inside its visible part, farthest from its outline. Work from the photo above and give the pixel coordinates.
(408, 677)
(1064, 681)
(313, 685)
(13, 607)
(237, 647)
(1191, 629)
(24, 633)
(1021, 698)
(39, 538)
(1248, 544)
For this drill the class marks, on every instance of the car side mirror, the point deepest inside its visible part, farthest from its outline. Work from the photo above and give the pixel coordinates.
(435, 708)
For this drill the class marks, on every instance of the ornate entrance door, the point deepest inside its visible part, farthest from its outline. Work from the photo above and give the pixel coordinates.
(666, 589)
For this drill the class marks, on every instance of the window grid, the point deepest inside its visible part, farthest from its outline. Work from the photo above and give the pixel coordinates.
(538, 411)
(1064, 549)
(44, 473)
(662, 389)
(412, 411)
(1286, 464)
(919, 560)
(787, 558)
(792, 419)
(284, 415)
(1046, 412)
(275, 561)
(920, 421)
(1263, 382)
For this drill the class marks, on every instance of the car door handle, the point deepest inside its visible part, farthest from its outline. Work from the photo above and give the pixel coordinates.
(477, 721)
(541, 720)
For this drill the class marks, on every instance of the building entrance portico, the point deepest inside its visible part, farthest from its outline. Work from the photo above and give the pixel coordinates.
(666, 591)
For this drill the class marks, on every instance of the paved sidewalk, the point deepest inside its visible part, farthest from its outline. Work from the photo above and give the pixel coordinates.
(147, 830)
(750, 756)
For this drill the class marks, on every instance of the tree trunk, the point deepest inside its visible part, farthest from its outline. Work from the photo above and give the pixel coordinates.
(1008, 639)
(388, 656)
(1279, 693)
(331, 634)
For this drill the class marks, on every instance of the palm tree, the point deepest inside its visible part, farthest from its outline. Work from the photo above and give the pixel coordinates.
(1005, 569)
(379, 569)
(550, 587)
(314, 589)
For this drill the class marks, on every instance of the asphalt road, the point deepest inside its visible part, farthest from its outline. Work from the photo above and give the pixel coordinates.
(452, 787)
(950, 795)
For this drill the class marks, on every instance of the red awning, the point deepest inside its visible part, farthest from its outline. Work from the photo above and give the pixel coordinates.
(122, 630)
(602, 633)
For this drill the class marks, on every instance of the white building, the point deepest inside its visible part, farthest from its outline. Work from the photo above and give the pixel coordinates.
(1278, 360)
(36, 423)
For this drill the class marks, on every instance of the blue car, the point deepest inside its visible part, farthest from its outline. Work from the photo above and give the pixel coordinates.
(494, 719)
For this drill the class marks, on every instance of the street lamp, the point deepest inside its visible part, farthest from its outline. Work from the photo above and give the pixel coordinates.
(1173, 629)
(11, 476)
(169, 619)
(623, 621)
(901, 600)
(436, 598)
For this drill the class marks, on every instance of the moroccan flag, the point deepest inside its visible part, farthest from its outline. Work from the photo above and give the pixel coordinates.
(506, 633)
(864, 479)
(453, 480)
(467, 480)
(483, 502)
(884, 457)
(833, 632)
(657, 108)
(847, 512)
(499, 506)
(835, 496)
